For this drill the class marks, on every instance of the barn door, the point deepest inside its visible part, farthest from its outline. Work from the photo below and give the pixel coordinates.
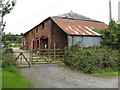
(44, 42)
(36, 44)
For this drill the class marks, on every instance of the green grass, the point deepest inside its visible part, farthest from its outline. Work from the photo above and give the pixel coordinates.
(17, 45)
(64, 66)
(108, 73)
(0, 78)
(13, 79)
(101, 73)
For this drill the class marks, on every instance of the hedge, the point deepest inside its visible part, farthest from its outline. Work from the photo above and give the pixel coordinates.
(91, 59)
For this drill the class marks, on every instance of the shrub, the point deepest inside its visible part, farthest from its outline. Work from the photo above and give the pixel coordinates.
(91, 59)
(10, 69)
(111, 35)
(8, 60)
(9, 50)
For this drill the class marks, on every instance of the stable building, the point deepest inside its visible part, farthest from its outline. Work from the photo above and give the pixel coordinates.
(62, 31)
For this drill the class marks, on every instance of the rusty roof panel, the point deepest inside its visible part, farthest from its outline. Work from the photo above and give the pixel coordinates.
(78, 27)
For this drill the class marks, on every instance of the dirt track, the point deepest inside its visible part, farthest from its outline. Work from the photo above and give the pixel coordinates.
(53, 76)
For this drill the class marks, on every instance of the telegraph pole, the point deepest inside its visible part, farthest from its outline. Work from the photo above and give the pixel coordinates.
(110, 11)
(119, 12)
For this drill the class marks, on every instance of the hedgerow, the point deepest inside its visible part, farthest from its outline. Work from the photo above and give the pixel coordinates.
(91, 59)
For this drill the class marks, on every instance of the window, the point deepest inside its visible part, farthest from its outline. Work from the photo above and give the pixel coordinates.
(37, 29)
(32, 32)
(37, 43)
(42, 25)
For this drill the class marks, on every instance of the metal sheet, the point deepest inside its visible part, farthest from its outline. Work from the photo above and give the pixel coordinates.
(79, 27)
(70, 41)
(84, 41)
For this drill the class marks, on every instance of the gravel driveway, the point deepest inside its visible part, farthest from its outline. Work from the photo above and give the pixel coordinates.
(53, 76)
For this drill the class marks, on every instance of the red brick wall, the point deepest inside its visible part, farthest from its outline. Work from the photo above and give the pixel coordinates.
(25, 41)
(50, 30)
(59, 37)
(38, 32)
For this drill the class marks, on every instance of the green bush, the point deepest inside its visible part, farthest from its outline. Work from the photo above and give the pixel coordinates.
(9, 50)
(91, 59)
(8, 60)
(10, 69)
(111, 35)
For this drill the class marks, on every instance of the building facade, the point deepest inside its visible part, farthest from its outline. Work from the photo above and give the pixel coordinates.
(63, 31)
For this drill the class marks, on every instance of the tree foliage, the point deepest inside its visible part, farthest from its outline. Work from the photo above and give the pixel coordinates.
(12, 38)
(5, 7)
(111, 35)
(7, 39)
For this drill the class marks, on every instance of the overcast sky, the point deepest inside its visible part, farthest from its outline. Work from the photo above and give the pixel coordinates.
(29, 13)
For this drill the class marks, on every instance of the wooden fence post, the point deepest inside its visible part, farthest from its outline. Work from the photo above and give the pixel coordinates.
(31, 57)
(54, 51)
(21, 59)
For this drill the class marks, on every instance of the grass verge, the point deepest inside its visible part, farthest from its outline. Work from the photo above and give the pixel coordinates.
(11, 78)
(64, 66)
(101, 73)
(107, 73)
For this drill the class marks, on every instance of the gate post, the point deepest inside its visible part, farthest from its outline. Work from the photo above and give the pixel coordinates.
(31, 54)
(54, 51)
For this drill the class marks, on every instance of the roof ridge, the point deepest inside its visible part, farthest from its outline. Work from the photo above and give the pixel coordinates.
(75, 16)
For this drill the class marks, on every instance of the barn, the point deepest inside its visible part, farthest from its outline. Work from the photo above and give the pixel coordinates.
(62, 31)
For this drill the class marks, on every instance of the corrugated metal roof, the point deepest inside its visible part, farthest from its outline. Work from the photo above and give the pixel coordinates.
(78, 27)
(72, 15)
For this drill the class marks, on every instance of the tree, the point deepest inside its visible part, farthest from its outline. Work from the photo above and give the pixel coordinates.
(5, 7)
(11, 38)
(111, 35)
